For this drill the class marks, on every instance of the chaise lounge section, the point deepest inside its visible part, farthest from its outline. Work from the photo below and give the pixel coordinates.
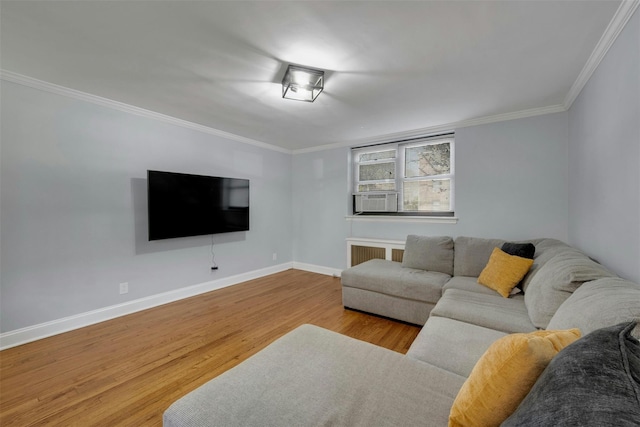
(315, 377)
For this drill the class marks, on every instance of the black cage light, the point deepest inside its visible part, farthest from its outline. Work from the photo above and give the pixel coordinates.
(302, 84)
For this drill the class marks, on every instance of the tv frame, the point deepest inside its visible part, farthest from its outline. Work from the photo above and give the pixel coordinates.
(155, 221)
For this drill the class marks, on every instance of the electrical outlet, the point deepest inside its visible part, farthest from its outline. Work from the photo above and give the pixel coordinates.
(275, 256)
(124, 287)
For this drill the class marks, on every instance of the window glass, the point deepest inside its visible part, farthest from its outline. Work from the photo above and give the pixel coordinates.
(380, 186)
(427, 195)
(377, 172)
(427, 160)
(378, 155)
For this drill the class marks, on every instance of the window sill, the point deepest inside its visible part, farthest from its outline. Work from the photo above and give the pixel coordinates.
(403, 218)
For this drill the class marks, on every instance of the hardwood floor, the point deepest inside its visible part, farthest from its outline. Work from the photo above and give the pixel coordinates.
(127, 371)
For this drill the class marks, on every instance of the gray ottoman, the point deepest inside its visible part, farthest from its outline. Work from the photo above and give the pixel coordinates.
(314, 377)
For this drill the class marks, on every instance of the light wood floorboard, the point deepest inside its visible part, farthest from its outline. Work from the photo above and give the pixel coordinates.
(127, 371)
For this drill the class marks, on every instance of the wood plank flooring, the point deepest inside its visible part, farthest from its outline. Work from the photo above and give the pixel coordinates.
(127, 371)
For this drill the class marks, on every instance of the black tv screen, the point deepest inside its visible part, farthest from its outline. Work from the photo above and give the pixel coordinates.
(183, 205)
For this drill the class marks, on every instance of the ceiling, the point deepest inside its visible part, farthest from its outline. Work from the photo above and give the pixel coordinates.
(392, 67)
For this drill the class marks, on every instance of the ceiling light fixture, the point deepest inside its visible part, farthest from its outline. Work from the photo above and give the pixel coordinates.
(302, 84)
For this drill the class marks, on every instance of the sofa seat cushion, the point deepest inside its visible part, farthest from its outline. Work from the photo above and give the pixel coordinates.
(556, 281)
(470, 284)
(452, 345)
(490, 311)
(599, 304)
(389, 277)
(312, 376)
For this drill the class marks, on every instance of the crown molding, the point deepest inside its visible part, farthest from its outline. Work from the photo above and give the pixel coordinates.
(105, 102)
(121, 106)
(619, 20)
(448, 127)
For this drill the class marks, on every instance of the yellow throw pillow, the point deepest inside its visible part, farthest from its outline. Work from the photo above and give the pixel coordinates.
(503, 271)
(504, 375)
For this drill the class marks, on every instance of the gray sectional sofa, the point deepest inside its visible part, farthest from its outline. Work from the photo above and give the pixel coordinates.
(314, 377)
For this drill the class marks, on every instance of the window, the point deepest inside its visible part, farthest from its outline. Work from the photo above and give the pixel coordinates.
(420, 172)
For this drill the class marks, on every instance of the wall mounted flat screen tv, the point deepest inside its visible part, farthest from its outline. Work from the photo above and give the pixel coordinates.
(181, 205)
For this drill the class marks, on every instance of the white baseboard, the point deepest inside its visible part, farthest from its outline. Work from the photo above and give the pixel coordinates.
(335, 272)
(55, 327)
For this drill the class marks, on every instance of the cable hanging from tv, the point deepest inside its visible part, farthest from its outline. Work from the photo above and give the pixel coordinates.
(214, 266)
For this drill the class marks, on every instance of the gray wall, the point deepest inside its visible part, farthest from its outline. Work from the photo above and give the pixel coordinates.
(511, 182)
(604, 159)
(73, 207)
(320, 206)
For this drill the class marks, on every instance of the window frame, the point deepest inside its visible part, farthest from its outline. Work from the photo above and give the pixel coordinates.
(400, 172)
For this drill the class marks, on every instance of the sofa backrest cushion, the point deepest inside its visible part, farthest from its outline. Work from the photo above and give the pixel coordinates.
(472, 255)
(599, 304)
(592, 382)
(433, 253)
(556, 280)
(545, 250)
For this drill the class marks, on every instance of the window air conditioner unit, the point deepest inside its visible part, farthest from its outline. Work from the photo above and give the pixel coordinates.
(376, 202)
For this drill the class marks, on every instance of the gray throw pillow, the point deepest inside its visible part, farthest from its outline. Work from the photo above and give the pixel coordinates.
(429, 253)
(592, 382)
(524, 250)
